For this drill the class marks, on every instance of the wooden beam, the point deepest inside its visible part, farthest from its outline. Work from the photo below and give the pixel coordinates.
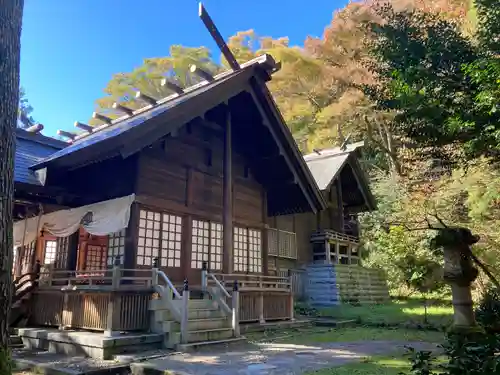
(121, 108)
(37, 128)
(145, 98)
(66, 134)
(85, 127)
(201, 73)
(227, 192)
(102, 118)
(172, 86)
(217, 37)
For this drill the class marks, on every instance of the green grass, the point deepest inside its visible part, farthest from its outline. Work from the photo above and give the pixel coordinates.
(347, 334)
(387, 365)
(370, 366)
(409, 312)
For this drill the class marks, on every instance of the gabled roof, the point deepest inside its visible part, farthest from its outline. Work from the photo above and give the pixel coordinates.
(32, 148)
(246, 89)
(327, 164)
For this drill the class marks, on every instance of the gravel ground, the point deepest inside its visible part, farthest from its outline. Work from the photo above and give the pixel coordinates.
(78, 364)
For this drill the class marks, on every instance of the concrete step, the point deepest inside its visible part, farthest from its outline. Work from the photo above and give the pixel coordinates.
(196, 324)
(194, 345)
(209, 334)
(201, 304)
(15, 342)
(162, 315)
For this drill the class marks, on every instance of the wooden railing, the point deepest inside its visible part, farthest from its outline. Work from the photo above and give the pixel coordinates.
(336, 236)
(109, 300)
(261, 298)
(281, 243)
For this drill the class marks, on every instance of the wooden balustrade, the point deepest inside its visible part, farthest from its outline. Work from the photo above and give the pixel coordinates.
(110, 300)
(282, 243)
(261, 298)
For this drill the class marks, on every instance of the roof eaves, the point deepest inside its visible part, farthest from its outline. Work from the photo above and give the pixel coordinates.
(319, 201)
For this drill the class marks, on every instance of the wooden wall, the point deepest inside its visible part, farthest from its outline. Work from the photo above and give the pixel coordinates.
(304, 224)
(183, 175)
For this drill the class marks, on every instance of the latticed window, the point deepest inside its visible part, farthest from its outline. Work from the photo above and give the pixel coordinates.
(50, 252)
(160, 235)
(95, 258)
(240, 249)
(254, 250)
(61, 261)
(206, 245)
(247, 250)
(116, 247)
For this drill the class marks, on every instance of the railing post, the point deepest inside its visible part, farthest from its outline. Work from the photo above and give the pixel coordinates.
(236, 310)
(291, 295)
(37, 270)
(154, 272)
(204, 279)
(115, 280)
(114, 303)
(185, 313)
(260, 307)
(50, 275)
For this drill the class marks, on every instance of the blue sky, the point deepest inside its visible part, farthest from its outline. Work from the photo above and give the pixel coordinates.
(71, 48)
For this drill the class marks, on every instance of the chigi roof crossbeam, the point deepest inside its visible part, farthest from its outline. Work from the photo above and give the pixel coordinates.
(151, 102)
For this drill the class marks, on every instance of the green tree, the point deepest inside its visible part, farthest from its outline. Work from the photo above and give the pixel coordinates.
(25, 110)
(147, 78)
(440, 81)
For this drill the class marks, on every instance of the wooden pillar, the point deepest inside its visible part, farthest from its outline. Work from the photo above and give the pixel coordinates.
(73, 241)
(131, 233)
(340, 204)
(227, 192)
(265, 235)
(337, 253)
(328, 255)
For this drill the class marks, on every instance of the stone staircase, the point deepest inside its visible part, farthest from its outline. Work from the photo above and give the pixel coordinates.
(207, 323)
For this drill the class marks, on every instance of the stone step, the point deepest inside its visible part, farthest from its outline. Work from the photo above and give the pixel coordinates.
(200, 304)
(194, 345)
(15, 342)
(196, 324)
(162, 315)
(209, 335)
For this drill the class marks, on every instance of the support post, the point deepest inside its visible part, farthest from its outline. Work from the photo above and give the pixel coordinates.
(260, 307)
(328, 255)
(154, 272)
(349, 253)
(236, 309)
(114, 303)
(337, 253)
(185, 313)
(204, 279)
(228, 195)
(290, 280)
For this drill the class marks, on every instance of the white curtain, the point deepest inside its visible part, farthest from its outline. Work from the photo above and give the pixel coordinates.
(98, 219)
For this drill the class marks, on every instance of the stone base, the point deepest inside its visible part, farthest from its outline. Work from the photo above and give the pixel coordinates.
(90, 344)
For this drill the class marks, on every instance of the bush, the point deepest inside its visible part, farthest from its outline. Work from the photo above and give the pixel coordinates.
(465, 354)
(488, 311)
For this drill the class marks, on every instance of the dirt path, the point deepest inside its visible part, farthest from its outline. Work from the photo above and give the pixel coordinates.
(271, 358)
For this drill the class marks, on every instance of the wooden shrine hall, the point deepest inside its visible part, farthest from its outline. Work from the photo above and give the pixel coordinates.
(156, 221)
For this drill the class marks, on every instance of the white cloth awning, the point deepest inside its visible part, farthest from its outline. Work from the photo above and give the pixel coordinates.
(98, 219)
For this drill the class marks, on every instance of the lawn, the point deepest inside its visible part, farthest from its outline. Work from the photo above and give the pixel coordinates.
(347, 334)
(390, 365)
(410, 312)
(395, 364)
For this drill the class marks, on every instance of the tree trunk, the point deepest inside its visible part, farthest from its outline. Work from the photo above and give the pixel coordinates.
(11, 13)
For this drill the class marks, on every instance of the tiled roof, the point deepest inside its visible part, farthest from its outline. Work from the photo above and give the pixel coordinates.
(31, 149)
(326, 164)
